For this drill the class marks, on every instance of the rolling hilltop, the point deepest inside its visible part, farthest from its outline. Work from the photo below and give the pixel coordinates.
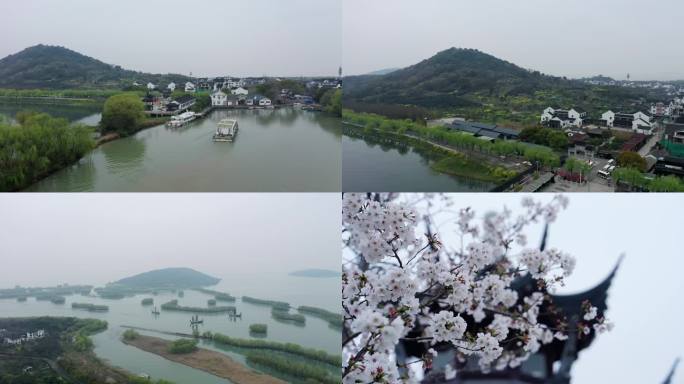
(479, 86)
(53, 67)
(168, 277)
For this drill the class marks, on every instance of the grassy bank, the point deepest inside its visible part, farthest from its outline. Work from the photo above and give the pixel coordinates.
(215, 363)
(294, 349)
(305, 372)
(455, 139)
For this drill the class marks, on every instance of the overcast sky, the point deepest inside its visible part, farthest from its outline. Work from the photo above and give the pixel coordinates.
(645, 300)
(48, 239)
(205, 37)
(565, 38)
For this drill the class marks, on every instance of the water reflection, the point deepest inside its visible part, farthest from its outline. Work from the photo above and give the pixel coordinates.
(124, 156)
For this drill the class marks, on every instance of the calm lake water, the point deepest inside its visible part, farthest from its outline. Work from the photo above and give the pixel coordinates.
(296, 290)
(373, 167)
(276, 150)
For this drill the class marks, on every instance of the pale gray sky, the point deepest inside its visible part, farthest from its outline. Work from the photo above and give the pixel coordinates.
(48, 239)
(565, 38)
(205, 37)
(645, 299)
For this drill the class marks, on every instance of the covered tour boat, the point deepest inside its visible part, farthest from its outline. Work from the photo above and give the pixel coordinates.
(226, 130)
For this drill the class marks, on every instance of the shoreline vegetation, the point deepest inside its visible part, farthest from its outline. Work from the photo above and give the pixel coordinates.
(62, 290)
(272, 303)
(334, 361)
(454, 153)
(90, 307)
(334, 319)
(174, 306)
(215, 363)
(218, 296)
(283, 315)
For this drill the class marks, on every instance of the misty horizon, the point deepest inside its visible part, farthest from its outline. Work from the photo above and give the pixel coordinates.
(94, 239)
(390, 69)
(211, 38)
(580, 39)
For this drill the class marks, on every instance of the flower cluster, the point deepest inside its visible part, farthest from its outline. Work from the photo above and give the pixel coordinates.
(402, 280)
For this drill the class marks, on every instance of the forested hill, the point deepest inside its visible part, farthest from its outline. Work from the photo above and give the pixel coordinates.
(53, 67)
(467, 78)
(451, 77)
(169, 277)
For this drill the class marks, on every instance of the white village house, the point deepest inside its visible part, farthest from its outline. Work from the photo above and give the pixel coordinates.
(562, 118)
(150, 86)
(189, 87)
(171, 86)
(638, 122)
(239, 91)
(218, 99)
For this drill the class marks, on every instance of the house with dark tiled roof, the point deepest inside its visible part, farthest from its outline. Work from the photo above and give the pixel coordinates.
(563, 118)
(638, 122)
(484, 130)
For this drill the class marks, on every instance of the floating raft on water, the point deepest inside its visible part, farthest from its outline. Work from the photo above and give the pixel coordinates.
(226, 130)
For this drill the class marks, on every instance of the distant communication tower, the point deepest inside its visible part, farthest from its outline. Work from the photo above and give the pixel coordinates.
(628, 76)
(339, 72)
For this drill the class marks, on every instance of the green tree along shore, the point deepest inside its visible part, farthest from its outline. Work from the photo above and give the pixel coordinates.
(122, 113)
(545, 156)
(38, 146)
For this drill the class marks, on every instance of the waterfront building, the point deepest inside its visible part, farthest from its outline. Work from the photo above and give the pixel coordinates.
(181, 103)
(218, 99)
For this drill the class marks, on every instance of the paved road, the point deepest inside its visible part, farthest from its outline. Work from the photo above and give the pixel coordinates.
(651, 142)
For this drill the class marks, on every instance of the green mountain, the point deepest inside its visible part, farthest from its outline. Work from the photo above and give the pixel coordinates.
(168, 278)
(53, 67)
(479, 85)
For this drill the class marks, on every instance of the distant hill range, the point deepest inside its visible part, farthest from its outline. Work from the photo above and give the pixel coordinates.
(168, 277)
(53, 67)
(323, 273)
(459, 78)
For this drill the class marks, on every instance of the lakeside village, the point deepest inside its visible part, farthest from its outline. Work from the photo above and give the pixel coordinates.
(17, 339)
(595, 160)
(230, 93)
